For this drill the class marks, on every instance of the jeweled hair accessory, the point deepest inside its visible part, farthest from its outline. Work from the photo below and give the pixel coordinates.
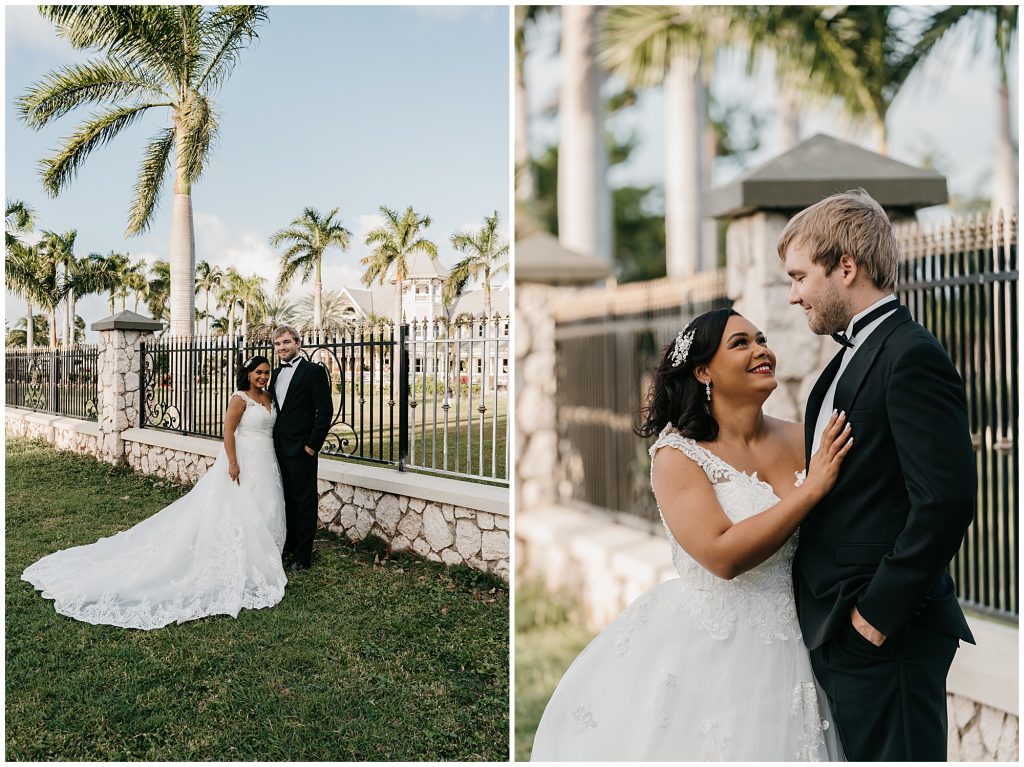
(249, 361)
(681, 350)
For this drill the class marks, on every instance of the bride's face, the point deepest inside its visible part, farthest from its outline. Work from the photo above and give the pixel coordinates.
(743, 362)
(260, 377)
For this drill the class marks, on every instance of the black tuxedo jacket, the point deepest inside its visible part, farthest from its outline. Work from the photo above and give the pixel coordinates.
(308, 409)
(883, 536)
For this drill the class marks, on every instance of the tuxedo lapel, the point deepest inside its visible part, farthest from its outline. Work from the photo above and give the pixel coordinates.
(815, 399)
(863, 359)
(273, 387)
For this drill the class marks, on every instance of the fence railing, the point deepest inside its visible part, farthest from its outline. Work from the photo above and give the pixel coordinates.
(381, 397)
(960, 282)
(606, 341)
(61, 381)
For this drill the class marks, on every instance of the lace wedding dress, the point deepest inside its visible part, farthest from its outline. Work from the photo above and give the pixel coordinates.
(698, 668)
(211, 552)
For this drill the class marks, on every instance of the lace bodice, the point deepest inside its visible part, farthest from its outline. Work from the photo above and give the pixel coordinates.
(763, 596)
(256, 421)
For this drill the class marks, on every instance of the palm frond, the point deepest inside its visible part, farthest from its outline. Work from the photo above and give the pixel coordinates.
(197, 131)
(231, 28)
(100, 82)
(150, 182)
(61, 167)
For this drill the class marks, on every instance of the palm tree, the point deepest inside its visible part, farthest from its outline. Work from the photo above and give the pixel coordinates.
(486, 255)
(19, 219)
(158, 291)
(674, 47)
(277, 310)
(30, 276)
(149, 57)
(60, 255)
(584, 198)
(27, 328)
(134, 281)
(208, 278)
(252, 297)
(110, 270)
(309, 236)
(943, 24)
(337, 314)
(394, 244)
(228, 295)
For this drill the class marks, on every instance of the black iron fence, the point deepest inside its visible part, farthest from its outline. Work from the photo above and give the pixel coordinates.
(381, 396)
(606, 342)
(61, 381)
(960, 282)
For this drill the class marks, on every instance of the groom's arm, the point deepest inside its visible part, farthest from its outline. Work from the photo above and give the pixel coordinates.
(928, 420)
(324, 404)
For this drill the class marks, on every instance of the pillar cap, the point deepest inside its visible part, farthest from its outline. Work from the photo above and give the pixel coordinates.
(821, 166)
(127, 320)
(541, 258)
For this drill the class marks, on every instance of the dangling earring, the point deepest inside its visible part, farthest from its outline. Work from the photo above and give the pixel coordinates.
(707, 388)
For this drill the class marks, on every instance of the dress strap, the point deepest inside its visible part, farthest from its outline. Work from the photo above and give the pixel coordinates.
(715, 468)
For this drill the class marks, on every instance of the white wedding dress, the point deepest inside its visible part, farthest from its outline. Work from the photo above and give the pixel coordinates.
(698, 668)
(211, 552)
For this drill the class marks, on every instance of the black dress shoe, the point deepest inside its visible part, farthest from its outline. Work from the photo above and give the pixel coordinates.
(296, 565)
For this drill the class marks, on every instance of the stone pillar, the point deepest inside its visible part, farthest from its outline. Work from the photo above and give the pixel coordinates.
(120, 365)
(759, 288)
(536, 435)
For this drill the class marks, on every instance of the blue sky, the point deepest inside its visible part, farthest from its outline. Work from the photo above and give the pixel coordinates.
(948, 111)
(349, 107)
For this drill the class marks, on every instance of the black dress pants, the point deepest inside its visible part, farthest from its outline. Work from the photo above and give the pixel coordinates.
(888, 702)
(298, 475)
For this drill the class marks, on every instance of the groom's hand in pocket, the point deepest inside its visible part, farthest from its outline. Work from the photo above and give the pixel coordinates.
(309, 450)
(865, 629)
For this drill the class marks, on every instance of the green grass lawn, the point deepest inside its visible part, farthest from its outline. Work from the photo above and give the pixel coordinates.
(404, 660)
(549, 636)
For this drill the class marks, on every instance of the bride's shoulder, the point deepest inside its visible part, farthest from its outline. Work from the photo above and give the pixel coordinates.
(789, 433)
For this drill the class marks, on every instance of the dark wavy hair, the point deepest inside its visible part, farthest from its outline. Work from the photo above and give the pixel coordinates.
(676, 395)
(245, 367)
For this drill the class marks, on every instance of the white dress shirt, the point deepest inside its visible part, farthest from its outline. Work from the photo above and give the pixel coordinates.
(828, 404)
(283, 379)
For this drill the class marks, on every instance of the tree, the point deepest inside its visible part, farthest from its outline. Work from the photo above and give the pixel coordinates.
(674, 47)
(60, 255)
(486, 256)
(309, 235)
(24, 331)
(19, 219)
(158, 292)
(943, 25)
(208, 278)
(110, 271)
(252, 298)
(30, 275)
(148, 57)
(336, 313)
(277, 311)
(228, 296)
(393, 245)
(21, 261)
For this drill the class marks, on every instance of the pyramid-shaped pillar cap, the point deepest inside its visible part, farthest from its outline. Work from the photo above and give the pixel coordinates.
(821, 166)
(127, 320)
(541, 258)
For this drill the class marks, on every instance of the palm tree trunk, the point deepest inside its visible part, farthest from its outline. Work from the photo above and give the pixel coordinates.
(69, 322)
(584, 200)
(207, 319)
(183, 257)
(683, 167)
(487, 293)
(525, 188)
(231, 319)
(111, 303)
(398, 300)
(318, 289)
(73, 318)
(53, 327)
(30, 329)
(245, 319)
(1004, 176)
(790, 118)
(709, 227)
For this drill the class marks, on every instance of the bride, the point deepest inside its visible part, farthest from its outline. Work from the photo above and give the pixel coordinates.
(710, 665)
(211, 552)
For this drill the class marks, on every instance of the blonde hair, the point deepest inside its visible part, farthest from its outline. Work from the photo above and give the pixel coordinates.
(851, 223)
(282, 329)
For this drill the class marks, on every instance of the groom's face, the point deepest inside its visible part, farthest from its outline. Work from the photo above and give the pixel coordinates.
(286, 347)
(822, 296)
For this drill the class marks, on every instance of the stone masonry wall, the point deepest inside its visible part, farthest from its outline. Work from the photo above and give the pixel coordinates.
(438, 532)
(62, 438)
(980, 733)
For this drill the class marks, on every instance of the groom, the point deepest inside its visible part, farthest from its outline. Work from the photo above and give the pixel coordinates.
(302, 393)
(877, 609)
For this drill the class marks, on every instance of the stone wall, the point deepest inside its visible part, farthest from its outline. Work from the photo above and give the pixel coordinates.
(536, 435)
(63, 433)
(980, 733)
(442, 520)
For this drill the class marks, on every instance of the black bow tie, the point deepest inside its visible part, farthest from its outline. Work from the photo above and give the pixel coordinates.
(843, 340)
(287, 364)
